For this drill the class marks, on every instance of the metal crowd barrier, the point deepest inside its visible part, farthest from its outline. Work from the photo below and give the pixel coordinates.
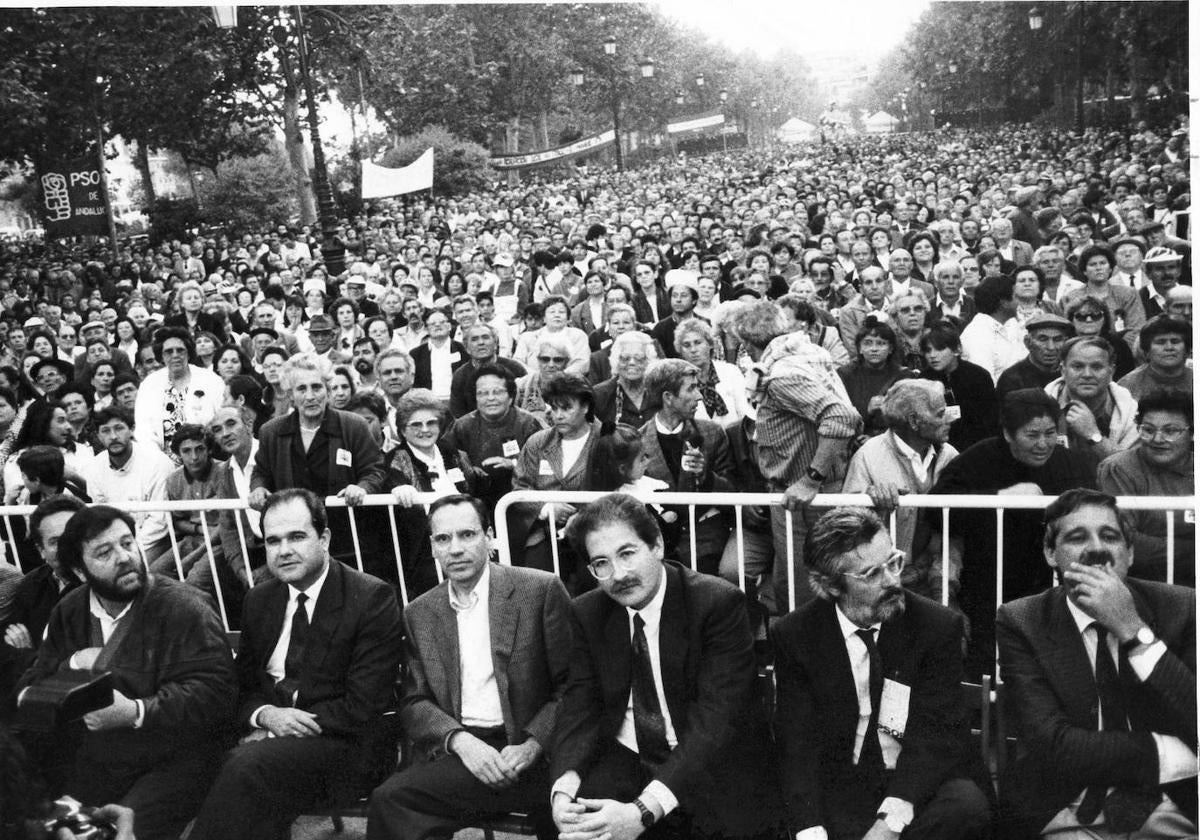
(1166, 504)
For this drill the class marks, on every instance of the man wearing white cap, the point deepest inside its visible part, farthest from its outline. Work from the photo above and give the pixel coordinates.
(1163, 266)
(683, 286)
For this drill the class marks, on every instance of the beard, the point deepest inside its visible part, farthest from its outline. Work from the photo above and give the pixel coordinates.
(113, 590)
(363, 366)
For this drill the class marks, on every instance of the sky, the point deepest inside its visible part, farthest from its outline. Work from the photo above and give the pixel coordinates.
(765, 26)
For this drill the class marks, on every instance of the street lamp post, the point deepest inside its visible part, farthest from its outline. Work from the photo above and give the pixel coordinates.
(724, 97)
(645, 69)
(331, 247)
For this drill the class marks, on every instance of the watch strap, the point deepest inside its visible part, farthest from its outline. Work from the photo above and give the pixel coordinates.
(647, 814)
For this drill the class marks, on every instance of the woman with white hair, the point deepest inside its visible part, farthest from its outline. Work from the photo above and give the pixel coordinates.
(722, 386)
(552, 353)
(622, 398)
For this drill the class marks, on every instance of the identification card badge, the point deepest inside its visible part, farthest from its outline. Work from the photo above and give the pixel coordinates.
(544, 468)
(510, 449)
(893, 708)
(605, 344)
(455, 476)
(454, 357)
(1063, 442)
(954, 413)
(1189, 516)
(344, 459)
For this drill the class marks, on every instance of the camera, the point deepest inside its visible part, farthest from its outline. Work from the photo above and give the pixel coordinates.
(80, 821)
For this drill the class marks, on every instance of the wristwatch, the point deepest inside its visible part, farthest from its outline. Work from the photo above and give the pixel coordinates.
(647, 814)
(1095, 438)
(814, 475)
(1144, 638)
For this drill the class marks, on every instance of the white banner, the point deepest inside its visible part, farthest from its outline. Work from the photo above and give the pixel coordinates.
(696, 123)
(381, 182)
(587, 144)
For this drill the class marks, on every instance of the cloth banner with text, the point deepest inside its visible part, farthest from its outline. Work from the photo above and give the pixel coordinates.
(696, 124)
(579, 147)
(73, 200)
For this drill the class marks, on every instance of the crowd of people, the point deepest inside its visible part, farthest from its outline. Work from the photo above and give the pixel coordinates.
(945, 313)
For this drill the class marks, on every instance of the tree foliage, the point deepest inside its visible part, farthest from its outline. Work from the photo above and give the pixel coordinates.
(247, 193)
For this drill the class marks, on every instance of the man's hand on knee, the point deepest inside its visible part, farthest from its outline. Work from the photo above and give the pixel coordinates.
(482, 760)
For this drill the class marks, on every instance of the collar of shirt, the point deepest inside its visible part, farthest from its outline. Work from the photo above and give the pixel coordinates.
(849, 628)
(233, 461)
(651, 613)
(663, 430)
(950, 308)
(1082, 620)
(478, 595)
(108, 622)
(921, 463)
(313, 592)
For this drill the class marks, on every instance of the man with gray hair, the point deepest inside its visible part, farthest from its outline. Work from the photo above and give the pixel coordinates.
(950, 302)
(908, 458)
(483, 344)
(1053, 263)
(322, 449)
(1014, 250)
(893, 756)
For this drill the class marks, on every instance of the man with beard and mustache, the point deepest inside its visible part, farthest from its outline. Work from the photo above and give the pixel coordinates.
(1100, 671)
(130, 471)
(873, 730)
(363, 359)
(156, 747)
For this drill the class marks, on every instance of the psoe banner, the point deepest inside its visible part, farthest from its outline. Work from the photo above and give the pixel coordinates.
(579, 147)
(696, 123)
(73, 200)
(382, 182)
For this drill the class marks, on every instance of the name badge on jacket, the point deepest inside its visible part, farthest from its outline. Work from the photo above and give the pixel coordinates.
(344, 458)
(510, 449)
(544, 468)
(893, 708)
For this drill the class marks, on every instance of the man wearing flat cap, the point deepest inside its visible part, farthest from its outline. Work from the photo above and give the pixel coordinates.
(322, 332)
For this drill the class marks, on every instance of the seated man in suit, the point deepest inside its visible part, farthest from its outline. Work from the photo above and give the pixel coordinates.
(872, 727)
(155, 748)
(487, 663)
(660, 728)
(317, 666)
(1101, 673)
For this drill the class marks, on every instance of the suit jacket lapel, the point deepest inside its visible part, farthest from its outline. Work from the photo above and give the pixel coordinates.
(673, 639)
(837, 665)
(327, 613)
(447, 646)
(1068, 664)
(502, 619)
(617, 671)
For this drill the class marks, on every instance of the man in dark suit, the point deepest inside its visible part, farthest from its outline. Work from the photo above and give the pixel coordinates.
(156, 746)
(1101, 675)
(683, 288)
(872, 727)
(487, 662)
(690, 455)
(450, 352)
(38, 591)
(660, 728)
(317, 666)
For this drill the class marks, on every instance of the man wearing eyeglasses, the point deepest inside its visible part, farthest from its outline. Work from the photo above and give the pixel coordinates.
(1161, 464)
(872, 728)
(660, 730)
(487, 664)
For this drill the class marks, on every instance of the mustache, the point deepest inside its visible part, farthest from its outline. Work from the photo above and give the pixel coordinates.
(1097, 557)
(626, 585)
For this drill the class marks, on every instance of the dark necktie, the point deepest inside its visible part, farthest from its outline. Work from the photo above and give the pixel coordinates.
(648, 723)
(1126, 809)
(290, 684)
(871, 756)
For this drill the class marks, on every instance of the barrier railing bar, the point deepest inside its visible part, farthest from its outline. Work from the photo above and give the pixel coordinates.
(791, 560)
(741, 547)
(237, 521)
(999, 584)
(12, 542)
(175, 549)
(554, 539)
(945, 556)
(692, 535)
(399, 561)
(354, 538)
(212, 566)
(1170, 514)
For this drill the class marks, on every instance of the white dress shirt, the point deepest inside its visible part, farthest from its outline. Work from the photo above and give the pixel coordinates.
(241, 481)
(480, 694)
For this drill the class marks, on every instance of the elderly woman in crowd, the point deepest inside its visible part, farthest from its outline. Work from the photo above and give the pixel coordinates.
(1029, 285)
(489, 438)
(722, 386)
(1128, 315)
(422, 463)
(622, 398)
(179, 392)
(551, 358)
(556, 312)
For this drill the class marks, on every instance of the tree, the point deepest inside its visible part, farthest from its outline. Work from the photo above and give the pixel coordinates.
(247, 193)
